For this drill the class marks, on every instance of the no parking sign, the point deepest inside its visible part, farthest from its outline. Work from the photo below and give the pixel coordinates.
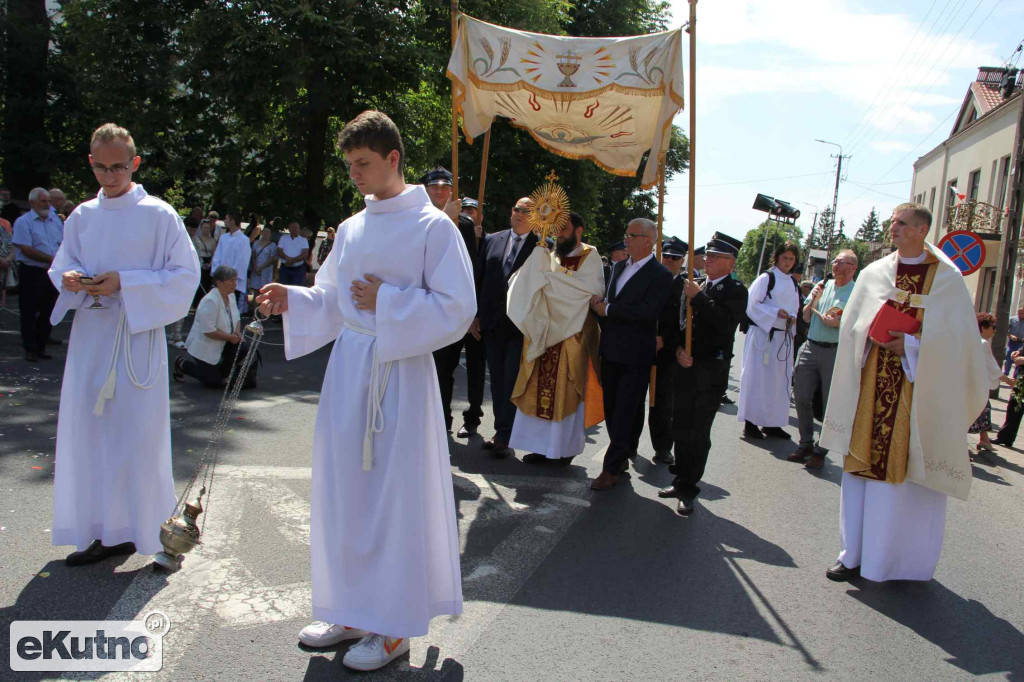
(965, 248)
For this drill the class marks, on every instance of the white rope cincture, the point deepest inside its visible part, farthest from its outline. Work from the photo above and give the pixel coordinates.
(375, 399)
(123, 334)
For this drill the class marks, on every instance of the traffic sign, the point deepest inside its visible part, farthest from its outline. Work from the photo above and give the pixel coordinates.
(965, 248)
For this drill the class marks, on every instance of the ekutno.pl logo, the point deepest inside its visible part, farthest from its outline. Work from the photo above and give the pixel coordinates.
(89, 645)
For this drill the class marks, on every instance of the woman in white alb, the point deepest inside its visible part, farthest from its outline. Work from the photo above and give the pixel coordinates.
(772, 306)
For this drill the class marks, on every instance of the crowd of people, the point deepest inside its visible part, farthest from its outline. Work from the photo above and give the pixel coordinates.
(568, 338)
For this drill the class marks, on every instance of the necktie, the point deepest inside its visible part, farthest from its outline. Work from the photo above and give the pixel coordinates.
(512, 253)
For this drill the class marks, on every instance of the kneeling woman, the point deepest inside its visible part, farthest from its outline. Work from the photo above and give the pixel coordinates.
(216, 332)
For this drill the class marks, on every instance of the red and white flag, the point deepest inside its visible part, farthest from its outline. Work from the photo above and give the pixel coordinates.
(959, 195)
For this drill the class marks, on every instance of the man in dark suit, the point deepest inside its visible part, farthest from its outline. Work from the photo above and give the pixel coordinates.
(629, 316)
(659, 416)
(503, 253)
(438, 183)
(718, 304)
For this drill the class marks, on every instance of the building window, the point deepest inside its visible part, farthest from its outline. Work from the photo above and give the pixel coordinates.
(931, 201)
(973, 185)
(951, 194)
(1004, 178)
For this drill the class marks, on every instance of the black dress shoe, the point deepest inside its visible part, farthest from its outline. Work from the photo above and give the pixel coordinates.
(563, 461)
(53, 342)
(776, 432)
(726, 400)
(502, 451)
(840, 573)
(684, 507)
(98, 552)
(751, 431)
(43, 355)
(466, 431)
(670, 491)
(534, 458)
(489, 444)
(31, 356)
(664, 456)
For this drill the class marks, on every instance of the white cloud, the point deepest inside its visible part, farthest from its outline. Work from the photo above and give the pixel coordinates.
(890, 146)
(876, 60)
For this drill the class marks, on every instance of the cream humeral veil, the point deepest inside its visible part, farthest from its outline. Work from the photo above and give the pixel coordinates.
(609, 100)
(951, 380)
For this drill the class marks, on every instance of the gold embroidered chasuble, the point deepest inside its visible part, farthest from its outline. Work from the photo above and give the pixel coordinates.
(551, 386)
(880, 441)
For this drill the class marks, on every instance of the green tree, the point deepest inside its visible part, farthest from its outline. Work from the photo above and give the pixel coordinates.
(25, 149)
(870, 230)
(747, 267)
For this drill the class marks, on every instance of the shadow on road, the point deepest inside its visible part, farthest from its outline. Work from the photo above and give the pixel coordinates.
(963, 628)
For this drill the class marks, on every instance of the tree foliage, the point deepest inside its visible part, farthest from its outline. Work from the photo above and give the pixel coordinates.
(871, 229)
(756, 249)
(237, 103)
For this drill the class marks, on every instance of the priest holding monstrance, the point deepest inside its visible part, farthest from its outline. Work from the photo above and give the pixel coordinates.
(548, 300)
(909, 379)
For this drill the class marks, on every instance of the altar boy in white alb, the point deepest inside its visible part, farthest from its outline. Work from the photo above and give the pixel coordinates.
(113, 485)
(397, 286)
(899, 409)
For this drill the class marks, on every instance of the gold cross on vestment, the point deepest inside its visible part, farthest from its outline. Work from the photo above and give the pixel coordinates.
(551, 177)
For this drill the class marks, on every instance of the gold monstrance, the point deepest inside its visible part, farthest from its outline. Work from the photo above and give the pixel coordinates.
(550, 208)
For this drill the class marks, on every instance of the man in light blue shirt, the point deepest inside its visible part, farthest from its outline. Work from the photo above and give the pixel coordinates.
(817, 356)
(37, 236)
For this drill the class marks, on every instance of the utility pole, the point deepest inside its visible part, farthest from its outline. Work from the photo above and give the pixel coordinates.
(835, 199)
(1013, 224)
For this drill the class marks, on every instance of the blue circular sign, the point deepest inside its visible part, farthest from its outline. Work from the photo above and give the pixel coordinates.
(965, 248)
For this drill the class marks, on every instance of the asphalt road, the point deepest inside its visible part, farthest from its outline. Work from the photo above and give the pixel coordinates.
(560, 583)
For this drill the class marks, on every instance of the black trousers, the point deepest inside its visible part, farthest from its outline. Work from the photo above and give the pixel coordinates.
(659, 417)
(447, 360)
(625, 387)
(698, 394)
(36, 298)
(503, 355)
(214, 376)
(1014, 412)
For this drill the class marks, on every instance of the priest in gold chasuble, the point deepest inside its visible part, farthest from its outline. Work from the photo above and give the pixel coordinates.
(548, 300)
(899, 409)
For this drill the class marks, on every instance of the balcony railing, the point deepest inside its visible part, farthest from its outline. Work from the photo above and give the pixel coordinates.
(975, 216)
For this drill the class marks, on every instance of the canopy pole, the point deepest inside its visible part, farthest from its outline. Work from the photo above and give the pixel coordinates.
(693, 163)
(455, 116)
(657, 247)
(483, 169)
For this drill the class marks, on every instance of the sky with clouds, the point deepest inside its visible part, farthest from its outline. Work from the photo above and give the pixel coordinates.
(883, 79)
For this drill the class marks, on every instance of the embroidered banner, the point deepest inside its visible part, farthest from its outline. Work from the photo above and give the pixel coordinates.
(609, 100)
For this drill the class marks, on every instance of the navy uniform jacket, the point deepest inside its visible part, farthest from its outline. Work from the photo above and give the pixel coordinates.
(716, 314)
(492, 305)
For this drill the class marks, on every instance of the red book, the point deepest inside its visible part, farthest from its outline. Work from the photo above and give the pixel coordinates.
(889, 319)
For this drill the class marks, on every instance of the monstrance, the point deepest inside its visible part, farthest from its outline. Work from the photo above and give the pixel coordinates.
(550, 208)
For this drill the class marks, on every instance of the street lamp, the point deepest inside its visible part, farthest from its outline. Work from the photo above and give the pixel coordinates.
(835, 197)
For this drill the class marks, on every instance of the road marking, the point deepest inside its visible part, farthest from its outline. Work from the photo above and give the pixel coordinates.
(215, 585)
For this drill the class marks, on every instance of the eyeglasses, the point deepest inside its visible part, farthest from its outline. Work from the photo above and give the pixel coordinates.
(843, 262)
(712, 257)
(116, 169)
(631, 235)
(516, 209)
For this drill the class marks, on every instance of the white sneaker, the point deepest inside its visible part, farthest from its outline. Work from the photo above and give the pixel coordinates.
(375, 651)
(180, 345)
(321, 635)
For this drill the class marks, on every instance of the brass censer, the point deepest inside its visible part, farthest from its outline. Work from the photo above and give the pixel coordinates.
(181, 533)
